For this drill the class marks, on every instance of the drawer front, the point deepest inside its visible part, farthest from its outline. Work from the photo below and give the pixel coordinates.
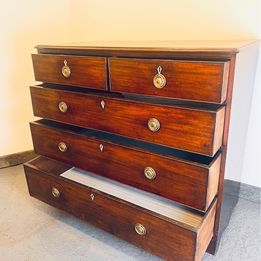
(192, 130)
(161, 175)
(70, 70)
(200, 81)
(162, 237)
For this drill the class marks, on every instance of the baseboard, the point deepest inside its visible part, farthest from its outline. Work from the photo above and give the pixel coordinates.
(242, 190)
(233, 190)
(16, 158)
(250, 193)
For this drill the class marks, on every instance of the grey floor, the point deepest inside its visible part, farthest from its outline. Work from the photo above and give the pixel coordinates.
(32, 230)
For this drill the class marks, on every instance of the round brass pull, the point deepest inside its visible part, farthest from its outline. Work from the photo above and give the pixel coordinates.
(159, 79)
(63, 106)
(66, 71)
(55, 192)
(153, 124)
(62, 146)
(140, 229)
(150, 173)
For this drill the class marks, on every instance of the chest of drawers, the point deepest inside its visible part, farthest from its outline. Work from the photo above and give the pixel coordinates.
(134, 139)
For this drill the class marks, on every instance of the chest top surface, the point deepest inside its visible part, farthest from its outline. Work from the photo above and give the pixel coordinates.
(217, 49)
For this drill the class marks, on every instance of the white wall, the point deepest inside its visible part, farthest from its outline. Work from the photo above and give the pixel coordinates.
(242, 106)
(252, 158)
(24, 24)
(166, 19)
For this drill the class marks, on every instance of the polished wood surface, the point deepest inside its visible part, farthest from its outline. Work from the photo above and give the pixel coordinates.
(216, 237)
(179, 178)
(164, 237)
(200, 81)
(206, 234)
(48, 166)
(183, 128)
(85, 71)
(193, 110)
(200, 50)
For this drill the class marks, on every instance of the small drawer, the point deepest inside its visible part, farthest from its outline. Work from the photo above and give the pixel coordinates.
(81, 71)
(189, 80)
(190, 129)
(190, 179)
(153, 223)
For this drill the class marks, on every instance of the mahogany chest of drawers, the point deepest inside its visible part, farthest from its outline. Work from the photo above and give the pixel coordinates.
(134, 140)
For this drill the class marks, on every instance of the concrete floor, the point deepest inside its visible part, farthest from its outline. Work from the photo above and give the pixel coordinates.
(32, 230)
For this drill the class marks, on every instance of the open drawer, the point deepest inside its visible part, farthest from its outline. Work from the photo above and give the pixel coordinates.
(187, 178)
(151, 222)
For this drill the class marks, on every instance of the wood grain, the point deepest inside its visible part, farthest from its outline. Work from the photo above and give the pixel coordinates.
(217, 236)
(200, 81)
(205, 233)
(85, 71)
(176, 179)
(198, 50)
(183, 128)
(163, 237)
(214, 52)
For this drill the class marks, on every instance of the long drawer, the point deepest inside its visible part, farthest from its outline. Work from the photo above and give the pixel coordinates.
(150, 222)
(191, 80)
(71, 70)
(190, 129)
(191, 180)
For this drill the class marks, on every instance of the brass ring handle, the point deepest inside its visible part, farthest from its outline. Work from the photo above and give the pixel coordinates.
(66, 71)
(150, 173)
(140, 229)
(153, 124)
(159, 80)
(55, 192)
(62, 147)
(62, 106)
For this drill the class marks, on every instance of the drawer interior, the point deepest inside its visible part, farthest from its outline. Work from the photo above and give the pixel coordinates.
(181, 215)
(172, 231)
(138, 197)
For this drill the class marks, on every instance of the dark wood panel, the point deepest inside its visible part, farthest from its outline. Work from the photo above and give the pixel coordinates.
(205, 235)
(175, 179)
(51, 167)
(163, 237)
(183, 128)
(84, 71)
(213, 246)
(201, 81)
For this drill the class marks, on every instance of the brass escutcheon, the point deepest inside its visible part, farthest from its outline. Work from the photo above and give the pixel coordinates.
(66, 71)
(102, 104)
(92, 197)
(159, 80)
